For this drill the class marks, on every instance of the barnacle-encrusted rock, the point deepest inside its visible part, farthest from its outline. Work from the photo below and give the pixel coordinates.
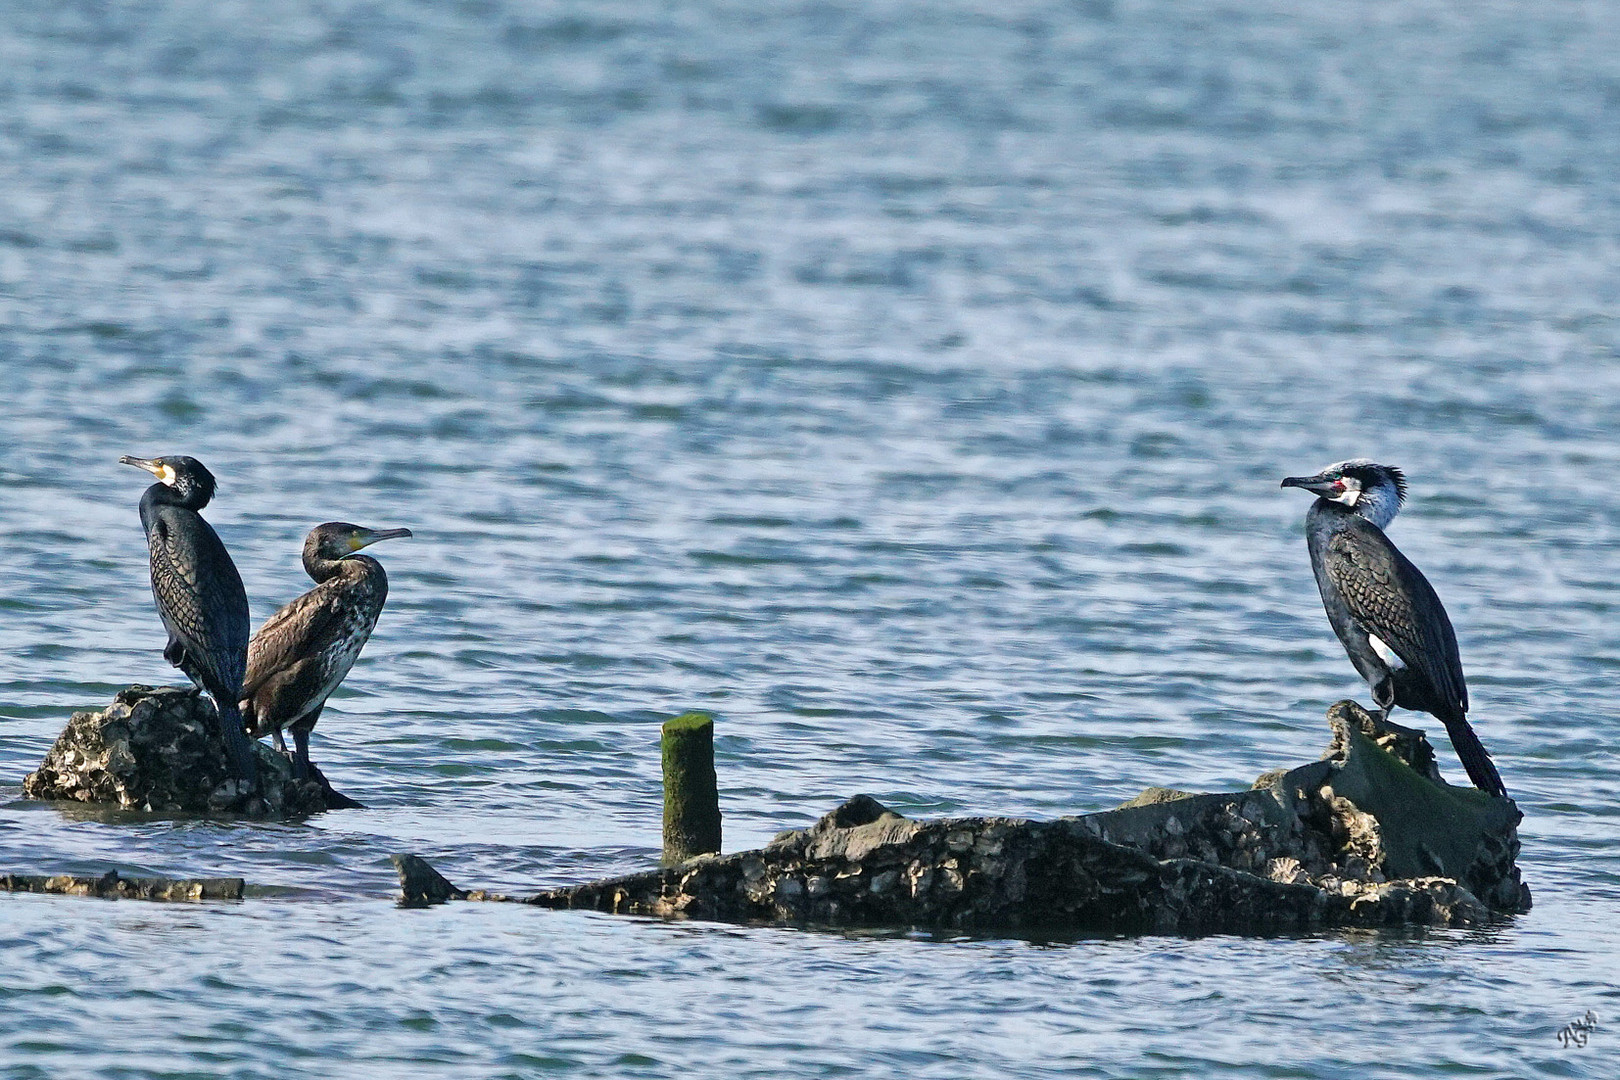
(1360, 838)
(159, 750)
(110, 886)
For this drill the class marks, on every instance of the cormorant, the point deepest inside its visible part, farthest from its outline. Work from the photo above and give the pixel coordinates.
(1382, 607)
(199, 594)
(302, 652)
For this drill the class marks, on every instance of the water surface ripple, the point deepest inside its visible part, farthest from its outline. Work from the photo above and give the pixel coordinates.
(908, 385)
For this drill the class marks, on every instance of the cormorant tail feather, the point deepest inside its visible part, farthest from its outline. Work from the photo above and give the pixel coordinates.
(1474, 756)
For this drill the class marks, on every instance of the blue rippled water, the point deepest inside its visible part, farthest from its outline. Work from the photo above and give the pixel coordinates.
(906, 384)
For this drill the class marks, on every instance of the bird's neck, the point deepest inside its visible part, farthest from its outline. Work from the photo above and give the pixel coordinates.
(1376, 505)
(355, 566)
(164, 495)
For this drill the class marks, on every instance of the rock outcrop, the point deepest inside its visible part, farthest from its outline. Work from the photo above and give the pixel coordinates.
(159, 750)
(110, 886)
(1368, 836)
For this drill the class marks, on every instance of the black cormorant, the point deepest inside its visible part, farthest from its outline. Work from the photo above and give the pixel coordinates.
(302, 652)
(198, 592)
(1382, 607)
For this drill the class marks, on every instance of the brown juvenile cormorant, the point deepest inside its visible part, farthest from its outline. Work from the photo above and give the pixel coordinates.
(198, 592)
(1382, 607)
(302, 652)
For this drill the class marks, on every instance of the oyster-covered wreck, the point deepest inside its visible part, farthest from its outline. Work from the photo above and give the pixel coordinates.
(1368, 836)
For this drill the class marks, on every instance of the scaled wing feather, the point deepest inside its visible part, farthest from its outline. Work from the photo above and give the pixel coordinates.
(201, 608)
(1392, 599)
(290, 635)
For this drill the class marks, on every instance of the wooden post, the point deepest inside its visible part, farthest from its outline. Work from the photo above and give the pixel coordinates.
(691, 795)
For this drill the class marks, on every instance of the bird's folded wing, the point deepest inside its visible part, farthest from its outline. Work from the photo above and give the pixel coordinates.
(1392, 599)
(200, 595)
(292, 634)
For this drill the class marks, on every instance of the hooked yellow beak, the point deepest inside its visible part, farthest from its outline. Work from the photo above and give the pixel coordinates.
(164, 473)
(366, 537)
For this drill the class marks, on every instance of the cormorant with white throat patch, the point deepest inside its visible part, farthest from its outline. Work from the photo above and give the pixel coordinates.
(302, 652)
(198, 592)
(1383, 609)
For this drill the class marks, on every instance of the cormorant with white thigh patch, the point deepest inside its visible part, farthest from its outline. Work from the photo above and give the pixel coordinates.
(302, 652)
(1382, 607)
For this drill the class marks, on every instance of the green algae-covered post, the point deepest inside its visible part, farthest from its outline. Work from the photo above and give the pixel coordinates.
(691, 795)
